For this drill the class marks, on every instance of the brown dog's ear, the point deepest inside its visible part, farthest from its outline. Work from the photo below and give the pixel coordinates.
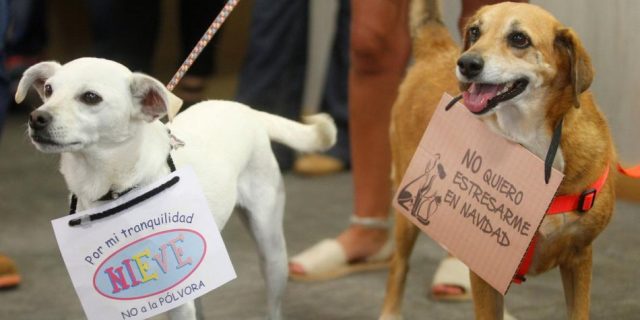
(36, 76)
(151, 98)
(580, 69)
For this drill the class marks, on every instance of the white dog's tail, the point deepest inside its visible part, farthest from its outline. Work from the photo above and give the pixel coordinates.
(318, 134)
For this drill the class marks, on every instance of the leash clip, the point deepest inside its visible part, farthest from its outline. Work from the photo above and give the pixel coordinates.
(175, 142)
(587, 200)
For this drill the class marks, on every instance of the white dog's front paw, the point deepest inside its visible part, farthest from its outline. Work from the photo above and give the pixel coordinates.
(508, 316)
(186, 311)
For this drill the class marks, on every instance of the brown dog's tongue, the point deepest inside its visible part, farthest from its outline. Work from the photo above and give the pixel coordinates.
(478, 94)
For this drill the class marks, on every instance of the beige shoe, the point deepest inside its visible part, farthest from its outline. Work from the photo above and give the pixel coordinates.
(452, 273)
(327, 260)
(9, 276)
(318, 165)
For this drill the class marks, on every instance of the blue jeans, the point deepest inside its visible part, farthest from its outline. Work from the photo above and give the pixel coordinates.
(4, 81)
(131, 41)
(272, 78)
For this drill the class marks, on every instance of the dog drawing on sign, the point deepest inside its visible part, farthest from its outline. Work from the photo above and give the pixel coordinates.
(424, 204)
(103, 121)
(526, 76)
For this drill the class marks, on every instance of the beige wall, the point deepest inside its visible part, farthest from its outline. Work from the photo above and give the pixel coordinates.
(607, 29)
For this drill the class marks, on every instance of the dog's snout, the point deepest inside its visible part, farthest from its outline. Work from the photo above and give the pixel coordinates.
(470, 65)
(39, 119)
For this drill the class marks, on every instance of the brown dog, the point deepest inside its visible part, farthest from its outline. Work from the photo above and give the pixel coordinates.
(521, 72)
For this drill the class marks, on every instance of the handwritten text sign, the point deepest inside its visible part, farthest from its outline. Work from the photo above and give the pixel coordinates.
(477, 194)
(148, 259)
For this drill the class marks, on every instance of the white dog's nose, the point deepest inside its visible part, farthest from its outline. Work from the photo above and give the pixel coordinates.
(39, 119)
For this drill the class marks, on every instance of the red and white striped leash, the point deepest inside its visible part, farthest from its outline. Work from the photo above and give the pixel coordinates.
(206, 37)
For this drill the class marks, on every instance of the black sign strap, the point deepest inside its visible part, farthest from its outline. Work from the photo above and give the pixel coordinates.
(111, 195)
(170, 163)
(553, 149)
(109, 212)
(452, 102)
(73, 205)
(553, 146)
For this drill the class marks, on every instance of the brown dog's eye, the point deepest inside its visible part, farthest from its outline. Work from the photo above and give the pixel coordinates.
(473, 34)
(90, 98)
(47, 90)
(519, 40)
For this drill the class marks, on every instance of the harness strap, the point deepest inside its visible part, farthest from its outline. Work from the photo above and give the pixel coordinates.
(633, 172)
(519, 277)
(565, 203)
(579, 202)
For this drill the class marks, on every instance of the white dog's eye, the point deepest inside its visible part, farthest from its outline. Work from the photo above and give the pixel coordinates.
(90, 98)
(47, 90)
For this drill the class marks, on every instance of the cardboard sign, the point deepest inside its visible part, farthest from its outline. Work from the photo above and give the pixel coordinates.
(477, 194)
(148, 259)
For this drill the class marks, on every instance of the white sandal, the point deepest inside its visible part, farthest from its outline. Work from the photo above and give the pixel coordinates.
(452, 272)
(327, 260)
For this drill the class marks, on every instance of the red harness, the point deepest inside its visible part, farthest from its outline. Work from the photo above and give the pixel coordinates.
(576, 202)
(630, 172)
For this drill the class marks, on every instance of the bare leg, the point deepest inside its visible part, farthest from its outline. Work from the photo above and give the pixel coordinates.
(380, 48)
(379, 52)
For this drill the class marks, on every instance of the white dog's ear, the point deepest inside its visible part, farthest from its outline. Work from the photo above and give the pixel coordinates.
(152, 98)
(36, 76)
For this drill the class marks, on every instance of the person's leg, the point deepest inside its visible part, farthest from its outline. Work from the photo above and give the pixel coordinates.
(28, 36)
(9, 276)
(130, 41)
(379, 52)
(195, 18)
(4, 79)
(334, 102)
(272, 77)
(24, 40)
(380, 48)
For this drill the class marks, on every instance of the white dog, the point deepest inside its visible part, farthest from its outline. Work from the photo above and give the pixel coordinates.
(102, 119)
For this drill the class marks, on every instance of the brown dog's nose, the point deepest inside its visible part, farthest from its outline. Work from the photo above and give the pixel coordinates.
(39, 119)
(470, 65)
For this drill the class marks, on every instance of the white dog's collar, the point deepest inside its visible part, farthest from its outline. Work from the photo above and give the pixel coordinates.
(112, 195)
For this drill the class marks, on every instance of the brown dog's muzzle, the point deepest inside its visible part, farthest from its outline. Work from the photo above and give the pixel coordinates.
(470, 65)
